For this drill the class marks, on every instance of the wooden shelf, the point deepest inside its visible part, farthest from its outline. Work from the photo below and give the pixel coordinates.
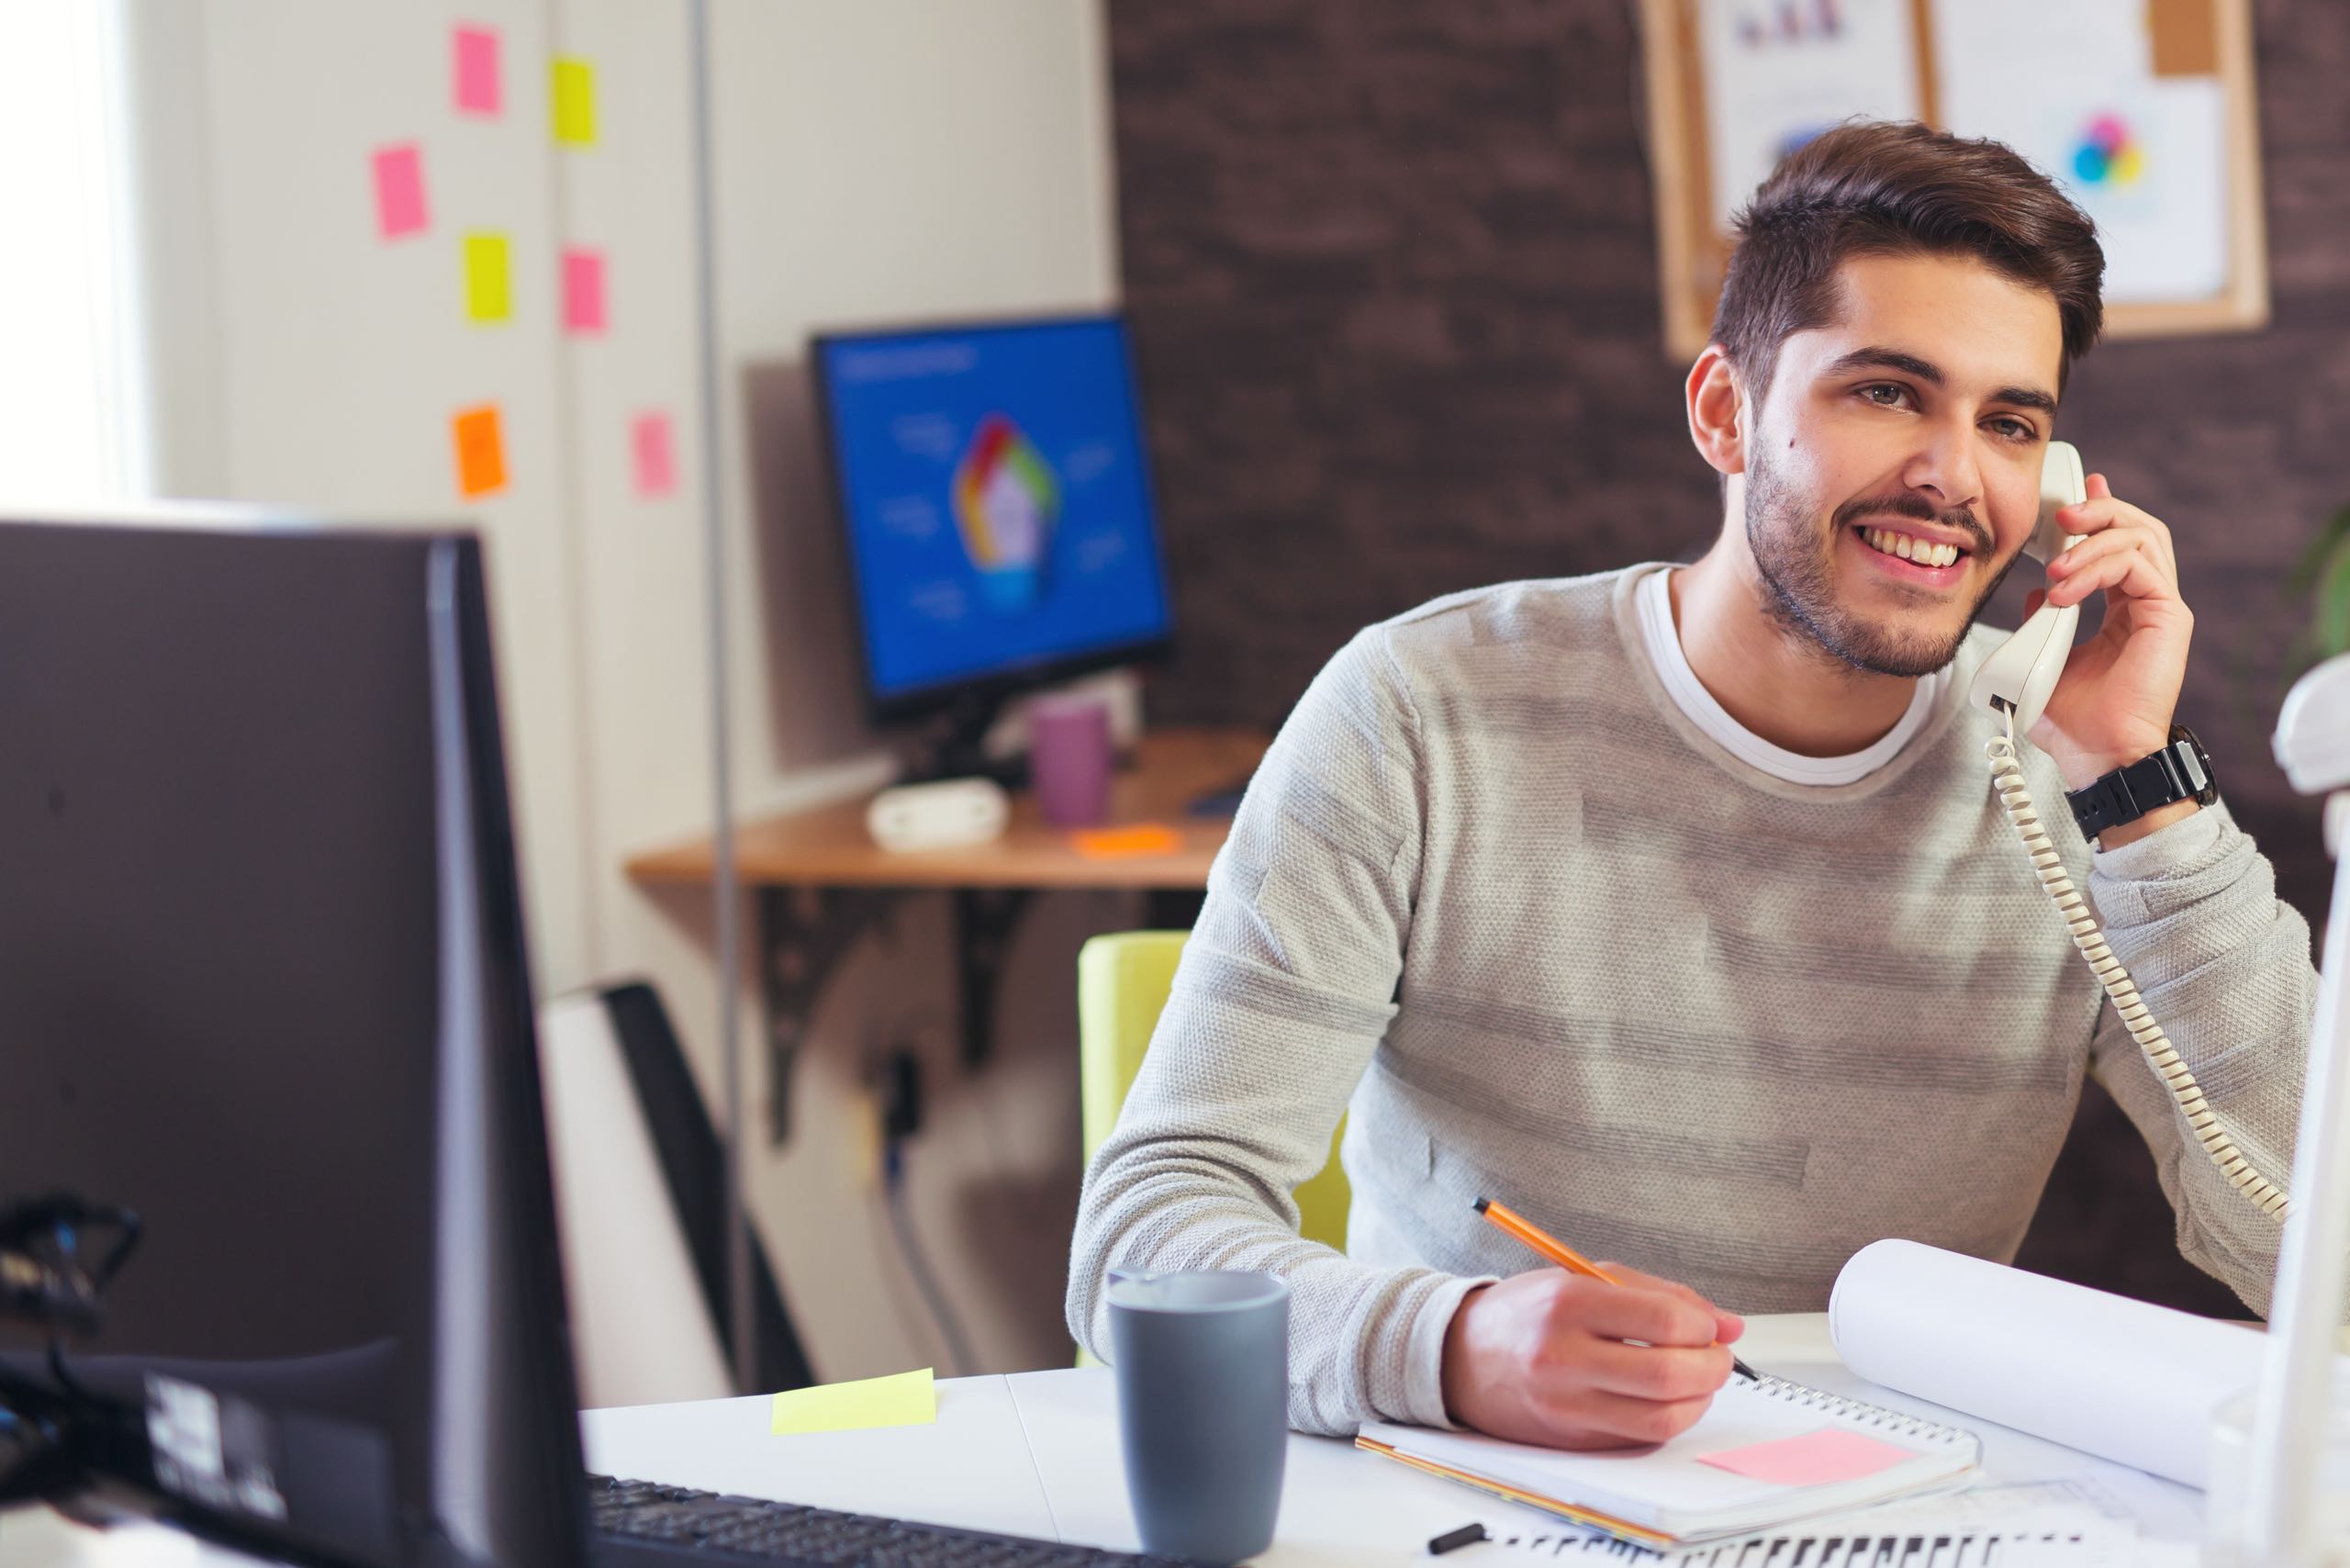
(829, 847)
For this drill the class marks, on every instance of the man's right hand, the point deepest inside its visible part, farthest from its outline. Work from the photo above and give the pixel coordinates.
(1543, 1358)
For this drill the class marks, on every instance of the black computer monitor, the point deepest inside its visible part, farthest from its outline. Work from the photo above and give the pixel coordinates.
(993, 488)
(263, 981)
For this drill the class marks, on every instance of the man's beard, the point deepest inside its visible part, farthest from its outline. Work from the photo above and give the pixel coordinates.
(1800, 572)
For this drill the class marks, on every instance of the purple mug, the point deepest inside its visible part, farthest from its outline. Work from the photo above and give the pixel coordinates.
(1069, 758)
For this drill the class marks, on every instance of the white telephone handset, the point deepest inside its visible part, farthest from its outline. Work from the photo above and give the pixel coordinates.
(2025, 670)
(2015, 682)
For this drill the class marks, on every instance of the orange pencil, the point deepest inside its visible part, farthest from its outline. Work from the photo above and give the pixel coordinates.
(1510, 1222)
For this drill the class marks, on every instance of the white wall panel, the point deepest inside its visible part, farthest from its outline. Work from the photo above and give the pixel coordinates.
(875, 160)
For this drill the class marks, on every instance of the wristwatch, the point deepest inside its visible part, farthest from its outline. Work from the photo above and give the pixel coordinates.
(2181, 771)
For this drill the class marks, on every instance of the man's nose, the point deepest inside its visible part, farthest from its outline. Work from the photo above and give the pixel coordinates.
(1946, 468)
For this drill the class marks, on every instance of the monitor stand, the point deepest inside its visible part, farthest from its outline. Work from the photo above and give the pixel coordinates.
(952, 744)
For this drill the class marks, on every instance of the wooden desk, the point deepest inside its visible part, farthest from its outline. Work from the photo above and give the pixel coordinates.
(821, 881)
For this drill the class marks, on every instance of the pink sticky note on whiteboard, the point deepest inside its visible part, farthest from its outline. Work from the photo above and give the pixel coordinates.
(474, 51)
(656, 462)
(1814, 1459)
(583, 290)
(399, 191)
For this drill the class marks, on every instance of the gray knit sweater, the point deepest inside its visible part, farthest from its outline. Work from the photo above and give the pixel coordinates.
(1495, 896)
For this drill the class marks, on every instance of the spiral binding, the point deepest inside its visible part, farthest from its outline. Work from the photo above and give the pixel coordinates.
(2015, 798)
(1860, 1411)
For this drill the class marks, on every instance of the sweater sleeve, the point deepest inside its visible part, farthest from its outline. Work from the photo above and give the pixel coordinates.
(2191, 910)
(1284, 992)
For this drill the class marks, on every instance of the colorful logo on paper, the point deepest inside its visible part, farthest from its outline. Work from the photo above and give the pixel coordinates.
(1006, 502)
(2106, 154)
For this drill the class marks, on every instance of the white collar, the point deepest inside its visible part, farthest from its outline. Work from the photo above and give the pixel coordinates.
(1681, 683)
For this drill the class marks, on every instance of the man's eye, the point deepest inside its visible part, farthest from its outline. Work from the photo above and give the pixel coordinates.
(1893, 395)
(2014, 430)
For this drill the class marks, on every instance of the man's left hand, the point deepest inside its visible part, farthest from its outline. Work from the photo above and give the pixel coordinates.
(2120, 688)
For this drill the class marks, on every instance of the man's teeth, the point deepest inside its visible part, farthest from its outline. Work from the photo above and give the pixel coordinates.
(1910, 549)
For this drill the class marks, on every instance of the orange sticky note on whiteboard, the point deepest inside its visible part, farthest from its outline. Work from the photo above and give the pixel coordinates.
(481, 451)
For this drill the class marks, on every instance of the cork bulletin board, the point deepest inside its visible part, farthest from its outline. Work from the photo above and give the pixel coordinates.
(2142, 109)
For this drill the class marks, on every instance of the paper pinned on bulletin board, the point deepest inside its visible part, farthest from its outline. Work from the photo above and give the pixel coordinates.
(575, 101)
(582, 289)
(902, 1399)
(399, 191)
(488, 297)
(480, 441)
(1787, 72)
(656, 456)
(473, 52)
(2143, 153)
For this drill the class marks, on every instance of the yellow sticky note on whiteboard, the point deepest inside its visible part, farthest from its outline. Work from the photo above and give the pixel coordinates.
(575, 101)
(901, 1399)
(487, 297)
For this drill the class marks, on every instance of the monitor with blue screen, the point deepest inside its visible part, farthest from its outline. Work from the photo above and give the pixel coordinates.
(998, 509)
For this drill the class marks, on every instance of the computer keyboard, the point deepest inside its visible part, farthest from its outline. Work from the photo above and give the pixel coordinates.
(643, 1522)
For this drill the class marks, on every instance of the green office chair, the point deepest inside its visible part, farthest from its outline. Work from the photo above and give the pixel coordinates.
(1122, 982)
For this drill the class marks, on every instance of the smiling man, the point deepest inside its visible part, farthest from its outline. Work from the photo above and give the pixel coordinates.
(1673, 906)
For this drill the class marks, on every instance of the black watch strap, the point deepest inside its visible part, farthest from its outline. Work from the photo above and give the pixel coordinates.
(2181, 771)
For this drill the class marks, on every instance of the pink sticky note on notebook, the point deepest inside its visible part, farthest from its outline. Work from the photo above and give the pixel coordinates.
(1814, 1459)
(657, 463)
(399, 191)
(583, 290)
(474, 51)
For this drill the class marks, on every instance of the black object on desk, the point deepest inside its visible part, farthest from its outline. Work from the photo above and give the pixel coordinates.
(263, 980)
(644, 1522)
(1452, 1540)
(1218, 802)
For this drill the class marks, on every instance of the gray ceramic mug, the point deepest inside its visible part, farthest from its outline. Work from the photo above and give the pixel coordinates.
(1203, 1366)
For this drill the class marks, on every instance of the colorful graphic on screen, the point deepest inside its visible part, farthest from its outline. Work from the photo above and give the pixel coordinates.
(997, 501)
(1006, 503)
(2108, 154)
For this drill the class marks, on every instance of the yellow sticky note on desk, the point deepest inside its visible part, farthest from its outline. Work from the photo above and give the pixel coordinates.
(901, 1399)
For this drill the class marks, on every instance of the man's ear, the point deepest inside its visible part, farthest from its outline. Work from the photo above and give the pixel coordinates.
(1720, 421)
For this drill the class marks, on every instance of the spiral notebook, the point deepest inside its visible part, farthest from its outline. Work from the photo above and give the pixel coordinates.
(1766, 1454)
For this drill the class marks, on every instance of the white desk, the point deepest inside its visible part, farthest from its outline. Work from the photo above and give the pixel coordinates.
(1036, 1454)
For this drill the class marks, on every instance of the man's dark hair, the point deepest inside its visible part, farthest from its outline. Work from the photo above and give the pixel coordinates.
(1881, 188)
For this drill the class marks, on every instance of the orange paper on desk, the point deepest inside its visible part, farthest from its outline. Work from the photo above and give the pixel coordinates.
(1126, 843)
(901, 1399)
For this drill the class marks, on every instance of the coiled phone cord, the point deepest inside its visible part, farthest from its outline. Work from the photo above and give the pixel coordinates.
(2015, 798)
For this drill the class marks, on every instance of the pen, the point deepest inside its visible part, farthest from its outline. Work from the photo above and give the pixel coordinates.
(1453, 1540)
(1502, 1217)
